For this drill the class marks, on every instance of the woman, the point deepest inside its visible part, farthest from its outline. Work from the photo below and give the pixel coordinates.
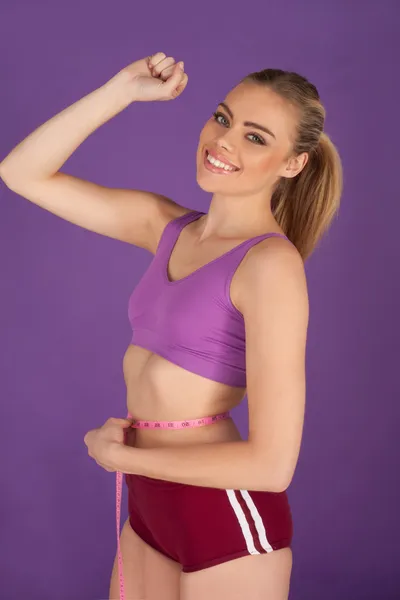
(221, 311)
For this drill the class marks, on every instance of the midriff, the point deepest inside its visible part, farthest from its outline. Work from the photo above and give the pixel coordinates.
(159, 390)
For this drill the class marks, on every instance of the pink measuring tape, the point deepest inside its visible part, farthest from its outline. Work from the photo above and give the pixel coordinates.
(137, 424)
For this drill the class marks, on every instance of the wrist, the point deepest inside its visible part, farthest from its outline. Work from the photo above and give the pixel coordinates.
(119, 88)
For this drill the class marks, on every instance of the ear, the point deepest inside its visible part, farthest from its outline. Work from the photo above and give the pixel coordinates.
(294, 165)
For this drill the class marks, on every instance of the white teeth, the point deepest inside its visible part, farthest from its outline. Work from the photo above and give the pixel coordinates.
(218, 163)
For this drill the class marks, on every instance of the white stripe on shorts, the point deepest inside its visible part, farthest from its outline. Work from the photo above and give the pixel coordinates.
(262, 535)
(241, 517)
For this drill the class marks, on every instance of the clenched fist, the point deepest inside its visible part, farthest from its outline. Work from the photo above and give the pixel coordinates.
(156, 77)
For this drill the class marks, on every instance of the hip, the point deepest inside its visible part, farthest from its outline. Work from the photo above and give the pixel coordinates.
(201, 526)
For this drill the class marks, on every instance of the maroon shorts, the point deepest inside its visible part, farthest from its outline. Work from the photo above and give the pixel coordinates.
(200, 527)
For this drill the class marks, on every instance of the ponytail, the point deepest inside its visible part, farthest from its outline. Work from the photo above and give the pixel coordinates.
(305, 206)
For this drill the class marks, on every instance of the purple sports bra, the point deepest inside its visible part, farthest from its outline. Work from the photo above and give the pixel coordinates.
(192, 322)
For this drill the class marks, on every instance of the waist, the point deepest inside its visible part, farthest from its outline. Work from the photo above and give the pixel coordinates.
(186, 424)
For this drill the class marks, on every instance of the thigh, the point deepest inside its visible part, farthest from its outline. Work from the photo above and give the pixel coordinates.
(259, 577)
(148, 575)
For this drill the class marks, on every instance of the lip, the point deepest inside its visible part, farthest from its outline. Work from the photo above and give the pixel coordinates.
(220, 157)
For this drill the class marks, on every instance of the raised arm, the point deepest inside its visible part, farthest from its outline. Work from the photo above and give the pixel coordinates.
(32, 167)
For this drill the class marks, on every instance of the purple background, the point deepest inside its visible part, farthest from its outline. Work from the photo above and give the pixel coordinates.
(64, 290)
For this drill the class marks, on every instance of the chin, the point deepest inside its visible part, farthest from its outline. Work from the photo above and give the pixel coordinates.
(208, 185)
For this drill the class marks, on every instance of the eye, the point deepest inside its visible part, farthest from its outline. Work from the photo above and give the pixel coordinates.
(257, 139)
(220, 118)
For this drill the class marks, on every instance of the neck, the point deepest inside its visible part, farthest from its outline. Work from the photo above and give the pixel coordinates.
(237, 218)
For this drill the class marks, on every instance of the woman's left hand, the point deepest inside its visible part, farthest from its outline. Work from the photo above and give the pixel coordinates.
(105, 442)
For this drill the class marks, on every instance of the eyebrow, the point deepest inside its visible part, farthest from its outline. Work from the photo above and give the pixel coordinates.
(247, 123)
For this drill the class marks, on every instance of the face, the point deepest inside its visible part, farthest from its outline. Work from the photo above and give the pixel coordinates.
(251, 134)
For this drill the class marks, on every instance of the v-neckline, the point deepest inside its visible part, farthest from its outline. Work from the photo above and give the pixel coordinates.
(196, 218)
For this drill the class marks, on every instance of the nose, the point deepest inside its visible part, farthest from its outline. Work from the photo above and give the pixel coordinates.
(226, 142)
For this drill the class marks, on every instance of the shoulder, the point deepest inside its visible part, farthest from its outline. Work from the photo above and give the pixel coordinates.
(166, 210)
(271, 273)
(169, 210)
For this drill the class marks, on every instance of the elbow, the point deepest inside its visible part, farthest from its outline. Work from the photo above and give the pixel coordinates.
(4, 176)
(273, 485)
(2, 172)
(283, 478)
(282, 486)
(9, 174)
(272, 478)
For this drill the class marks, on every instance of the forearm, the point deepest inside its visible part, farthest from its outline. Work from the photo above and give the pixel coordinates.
(232, 465)
(41, 154)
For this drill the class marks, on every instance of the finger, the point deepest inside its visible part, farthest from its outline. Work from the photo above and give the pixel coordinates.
(155, 59)
(167, 72)
(87, 437)
(163, 64)
(174, 81)
(119, 422)
(182, 85)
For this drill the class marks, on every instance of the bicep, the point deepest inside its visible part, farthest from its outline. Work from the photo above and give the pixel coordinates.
(133, 216)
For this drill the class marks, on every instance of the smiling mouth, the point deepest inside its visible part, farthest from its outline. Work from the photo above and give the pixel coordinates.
(218, 166)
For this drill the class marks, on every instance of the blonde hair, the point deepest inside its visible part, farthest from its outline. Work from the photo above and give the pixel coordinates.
(304, 206)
